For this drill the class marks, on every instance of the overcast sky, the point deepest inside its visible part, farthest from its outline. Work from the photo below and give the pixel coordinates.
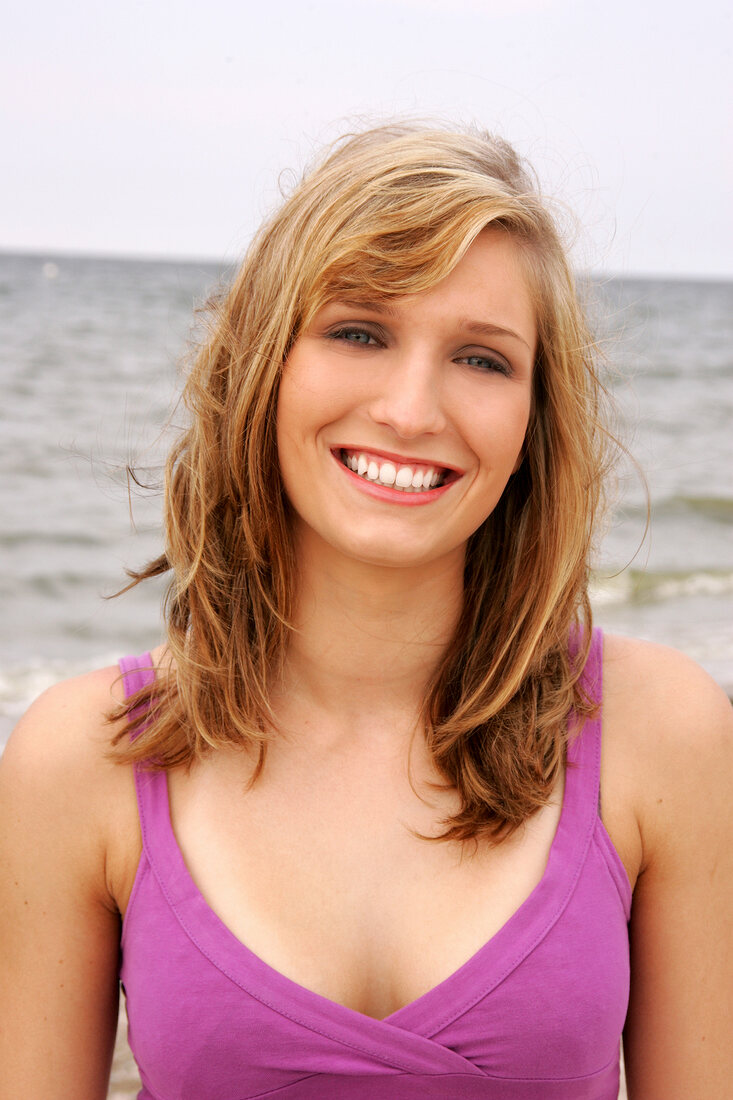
(161, 127)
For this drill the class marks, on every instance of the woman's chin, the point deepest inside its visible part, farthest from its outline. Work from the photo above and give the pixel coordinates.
(376, 551)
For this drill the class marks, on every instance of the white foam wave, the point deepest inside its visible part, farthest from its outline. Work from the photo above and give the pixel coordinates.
(635, 586)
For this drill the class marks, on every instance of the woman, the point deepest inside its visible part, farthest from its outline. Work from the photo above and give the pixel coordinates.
(400, 857)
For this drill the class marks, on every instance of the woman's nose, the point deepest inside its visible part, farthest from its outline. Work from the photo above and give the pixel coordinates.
(409, 399)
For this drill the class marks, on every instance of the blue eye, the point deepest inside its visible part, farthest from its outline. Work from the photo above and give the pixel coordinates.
(353, 336)
(487, 363)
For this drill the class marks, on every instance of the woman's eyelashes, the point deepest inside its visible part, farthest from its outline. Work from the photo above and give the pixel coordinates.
(486, 362)
(353, 334)
(360, 336)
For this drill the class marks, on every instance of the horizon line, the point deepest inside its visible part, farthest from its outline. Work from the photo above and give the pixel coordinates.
(53, 253)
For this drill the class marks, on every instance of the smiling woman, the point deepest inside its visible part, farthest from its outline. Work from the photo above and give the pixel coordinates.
(383, 816)
(410, 395)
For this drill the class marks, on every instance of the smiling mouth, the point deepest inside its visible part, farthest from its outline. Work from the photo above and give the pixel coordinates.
(410, 477)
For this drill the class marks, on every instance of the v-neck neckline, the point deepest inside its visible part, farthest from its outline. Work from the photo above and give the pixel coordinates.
(432, 1011)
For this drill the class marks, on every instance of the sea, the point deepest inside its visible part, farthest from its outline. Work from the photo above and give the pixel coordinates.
(92, 352)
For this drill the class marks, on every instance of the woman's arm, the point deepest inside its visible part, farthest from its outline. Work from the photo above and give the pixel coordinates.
(59, 925)
(679, 752)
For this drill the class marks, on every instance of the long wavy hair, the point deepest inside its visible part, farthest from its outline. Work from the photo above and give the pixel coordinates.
(388, 212)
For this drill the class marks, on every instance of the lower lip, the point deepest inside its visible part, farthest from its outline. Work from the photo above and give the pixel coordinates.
(394, 496)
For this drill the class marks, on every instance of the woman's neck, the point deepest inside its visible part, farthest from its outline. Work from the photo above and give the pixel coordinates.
(368, 638)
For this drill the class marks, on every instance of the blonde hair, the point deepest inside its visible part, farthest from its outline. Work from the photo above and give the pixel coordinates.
(389, 212)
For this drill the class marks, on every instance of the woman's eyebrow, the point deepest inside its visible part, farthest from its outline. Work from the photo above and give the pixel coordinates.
(363, 303)
(487, 328)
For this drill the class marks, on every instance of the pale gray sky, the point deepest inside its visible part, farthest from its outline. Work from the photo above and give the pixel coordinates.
(160, 128)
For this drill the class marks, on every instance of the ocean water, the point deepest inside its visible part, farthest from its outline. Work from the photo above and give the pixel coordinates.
(89, 361)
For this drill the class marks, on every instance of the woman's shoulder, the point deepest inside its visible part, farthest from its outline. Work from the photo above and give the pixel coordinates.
(668, 740)
(68, 726)
(59, 782)
(660, 695)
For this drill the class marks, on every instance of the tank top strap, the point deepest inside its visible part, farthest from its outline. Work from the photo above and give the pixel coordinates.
(151, 786)
(584, 746)
(137, 673)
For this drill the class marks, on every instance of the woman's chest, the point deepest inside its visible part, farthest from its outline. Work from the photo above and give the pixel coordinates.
(330, 887)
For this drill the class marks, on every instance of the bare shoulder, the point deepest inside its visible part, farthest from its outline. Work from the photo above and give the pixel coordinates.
(65, 733)
(662, 701)
(58, 778)
(68, 729)
(659, 676)
(669, 728)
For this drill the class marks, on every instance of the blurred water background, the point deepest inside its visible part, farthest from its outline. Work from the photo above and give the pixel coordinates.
(89, 358)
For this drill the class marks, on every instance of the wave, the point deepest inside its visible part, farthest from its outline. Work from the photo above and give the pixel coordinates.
(635, 586)
(54, 539)
(718, 508)
(682, 505)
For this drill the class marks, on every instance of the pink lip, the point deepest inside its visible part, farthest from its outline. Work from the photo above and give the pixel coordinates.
(399, 460)
(395, 496)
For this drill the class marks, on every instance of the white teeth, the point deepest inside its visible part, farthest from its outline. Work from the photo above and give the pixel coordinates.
(387, 473)
(391, 475)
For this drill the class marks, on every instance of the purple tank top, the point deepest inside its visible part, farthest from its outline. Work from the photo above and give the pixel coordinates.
(537, 1012)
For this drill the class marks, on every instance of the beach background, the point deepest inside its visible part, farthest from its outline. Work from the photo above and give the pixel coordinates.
(91, 367)
(161, 130)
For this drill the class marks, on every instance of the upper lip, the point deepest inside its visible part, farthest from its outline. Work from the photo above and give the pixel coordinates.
(399, 460)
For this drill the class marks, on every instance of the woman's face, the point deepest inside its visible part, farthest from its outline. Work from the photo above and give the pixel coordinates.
(400, 424)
